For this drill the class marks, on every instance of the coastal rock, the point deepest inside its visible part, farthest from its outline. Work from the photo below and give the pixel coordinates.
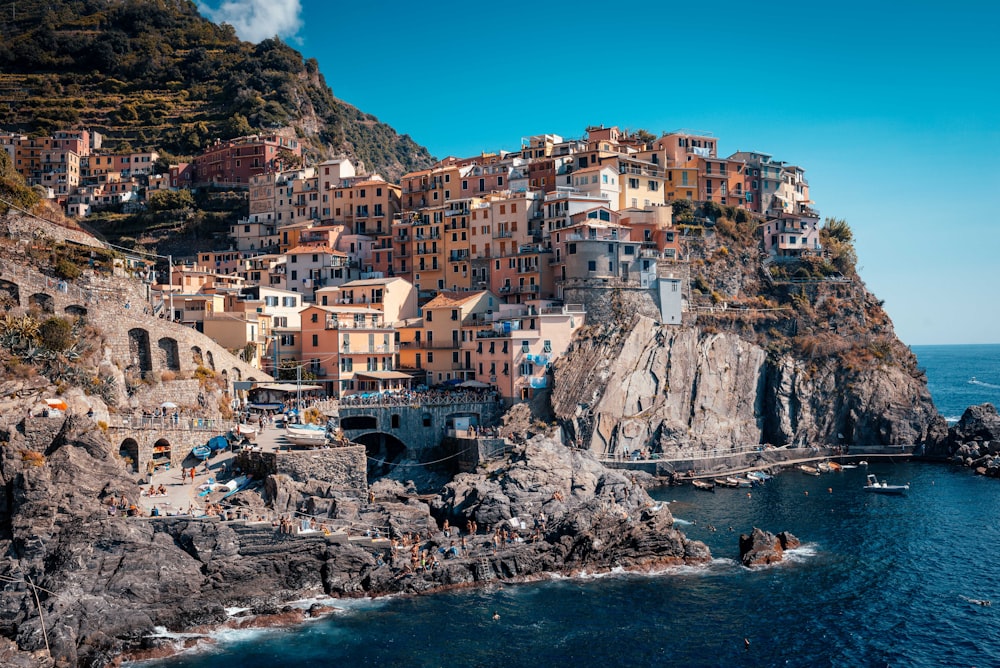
(115, 579)
(680, 391)
(762, 548)
(975, 436)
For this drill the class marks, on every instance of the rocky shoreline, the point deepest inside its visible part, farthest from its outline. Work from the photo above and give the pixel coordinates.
(106, 582)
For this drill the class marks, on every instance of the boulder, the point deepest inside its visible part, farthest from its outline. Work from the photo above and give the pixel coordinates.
(762, 548)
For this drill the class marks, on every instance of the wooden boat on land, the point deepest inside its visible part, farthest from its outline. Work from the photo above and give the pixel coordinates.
(703, 485)
(808, 470)
(308, 435)
(246, 431)
(201, 452)
(873, 485)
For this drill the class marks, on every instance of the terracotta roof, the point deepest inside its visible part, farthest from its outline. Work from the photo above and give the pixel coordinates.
(325, 250)
(450, 299)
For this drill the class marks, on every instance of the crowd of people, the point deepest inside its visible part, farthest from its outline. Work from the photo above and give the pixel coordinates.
(415, 397)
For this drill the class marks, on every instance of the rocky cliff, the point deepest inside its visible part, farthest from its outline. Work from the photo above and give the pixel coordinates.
(680, 390)
(799, 355)
(104, 582)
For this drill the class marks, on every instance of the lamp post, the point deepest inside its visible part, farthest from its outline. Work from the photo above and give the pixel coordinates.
(170, 282)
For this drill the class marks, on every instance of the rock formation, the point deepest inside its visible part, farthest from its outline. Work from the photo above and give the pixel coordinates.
(762, 548)
(680, 391)
(974, 441)
(104, 582)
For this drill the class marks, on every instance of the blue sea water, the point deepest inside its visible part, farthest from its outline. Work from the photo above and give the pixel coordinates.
(879, 581)
(961, 376)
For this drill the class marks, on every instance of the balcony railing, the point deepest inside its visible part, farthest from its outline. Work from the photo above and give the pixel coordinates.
(340, 324)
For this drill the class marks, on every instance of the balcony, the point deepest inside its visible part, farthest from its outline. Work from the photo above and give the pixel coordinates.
(458, 256)
(333, 323)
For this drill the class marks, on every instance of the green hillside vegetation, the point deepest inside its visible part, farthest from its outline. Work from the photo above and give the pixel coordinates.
(157, 75)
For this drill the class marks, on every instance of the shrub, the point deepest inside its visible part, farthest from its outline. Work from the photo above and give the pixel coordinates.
(56, 334)
(32, 458)
(67, 270)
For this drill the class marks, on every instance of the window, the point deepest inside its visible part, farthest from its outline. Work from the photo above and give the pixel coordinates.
(526, 368)
(454, 313)
(315, 317)
(571, 249)
(633, 183)
(592, 265)
(315, 340)
(430, 357)
(430, 316)
(524, 346)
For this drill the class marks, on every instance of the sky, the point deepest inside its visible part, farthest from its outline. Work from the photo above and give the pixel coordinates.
(893, 109)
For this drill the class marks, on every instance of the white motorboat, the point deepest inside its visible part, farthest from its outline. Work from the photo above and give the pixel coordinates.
(874, 485)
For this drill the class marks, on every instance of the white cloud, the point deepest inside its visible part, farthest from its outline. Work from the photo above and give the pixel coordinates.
(257, 20)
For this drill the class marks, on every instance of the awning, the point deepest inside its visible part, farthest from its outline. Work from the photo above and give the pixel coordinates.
(286, 387)
(384, 375)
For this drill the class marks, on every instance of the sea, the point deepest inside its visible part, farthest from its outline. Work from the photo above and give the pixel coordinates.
(877, 581)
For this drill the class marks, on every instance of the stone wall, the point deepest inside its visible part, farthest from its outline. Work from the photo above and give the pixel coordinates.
(138, 341)
(19, 226)
(421, 426)
(343, 468)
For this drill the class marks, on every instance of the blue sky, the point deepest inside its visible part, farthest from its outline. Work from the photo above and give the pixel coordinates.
(892, 110)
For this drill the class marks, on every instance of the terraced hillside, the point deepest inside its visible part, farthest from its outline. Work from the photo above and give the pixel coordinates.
(156, 74)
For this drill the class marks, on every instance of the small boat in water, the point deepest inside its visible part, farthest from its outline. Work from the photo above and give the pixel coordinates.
(823, 467)
(704, 485)
(808, 470)
(759, 476)
(834, 466)
(725, 482)
(201, 452)
(739, 482)
(873, 485)
(848, 466)
(862, 463)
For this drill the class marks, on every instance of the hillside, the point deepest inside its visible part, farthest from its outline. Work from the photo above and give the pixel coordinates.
(157, 75)
(795, 353)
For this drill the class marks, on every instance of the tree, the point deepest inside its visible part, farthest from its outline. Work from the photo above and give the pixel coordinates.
(837, 239)
(171, 200)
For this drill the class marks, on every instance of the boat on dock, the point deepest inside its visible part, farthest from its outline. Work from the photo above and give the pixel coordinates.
(809, 470)
(703, 485)
(307, 435)
(881, 487)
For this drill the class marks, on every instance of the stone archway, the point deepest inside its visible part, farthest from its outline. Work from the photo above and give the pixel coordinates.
(43, 301)
(210, 358)
(129, 452)
(76, 310)
(10, 294)
(383, 450)
(358, 422)
(169, 355)
(197, 358)
(161, 453)
(140, 357)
